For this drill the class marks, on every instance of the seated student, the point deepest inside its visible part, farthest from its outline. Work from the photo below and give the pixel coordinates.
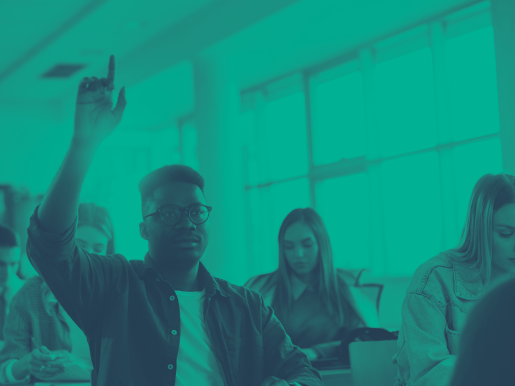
(35, 313)
(444, 289)
(312, 300)
(135, 313)
(10, 282)
(486, 354)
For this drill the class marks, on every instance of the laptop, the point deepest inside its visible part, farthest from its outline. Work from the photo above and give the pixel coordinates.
(376, 356)
(330, 364)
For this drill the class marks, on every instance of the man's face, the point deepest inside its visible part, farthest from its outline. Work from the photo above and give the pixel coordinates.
(163, 244)
(9, 263)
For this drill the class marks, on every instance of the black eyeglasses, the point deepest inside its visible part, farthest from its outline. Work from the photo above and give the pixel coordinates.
(171, 214)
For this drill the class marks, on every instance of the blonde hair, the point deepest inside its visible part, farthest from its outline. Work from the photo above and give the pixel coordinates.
(490, 193)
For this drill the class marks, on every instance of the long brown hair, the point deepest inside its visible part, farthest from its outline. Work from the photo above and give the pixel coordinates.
(491, 192)
(334, 294)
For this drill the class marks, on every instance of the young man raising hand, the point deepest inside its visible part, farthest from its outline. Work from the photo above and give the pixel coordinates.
(163, 320)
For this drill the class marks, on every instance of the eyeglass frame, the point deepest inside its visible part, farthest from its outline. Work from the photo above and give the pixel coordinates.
(182, 209)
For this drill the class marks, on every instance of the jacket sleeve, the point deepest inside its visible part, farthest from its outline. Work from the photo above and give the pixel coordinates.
(79, 280)
(425, 343)
(283, 359)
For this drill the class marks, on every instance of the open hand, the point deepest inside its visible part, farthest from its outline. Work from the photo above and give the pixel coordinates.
(94, 118)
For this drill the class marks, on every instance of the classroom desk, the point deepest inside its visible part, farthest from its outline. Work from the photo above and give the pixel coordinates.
(341, 377)
(56, 383)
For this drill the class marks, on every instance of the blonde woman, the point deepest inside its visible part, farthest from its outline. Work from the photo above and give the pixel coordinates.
(444, 289)
(36, 319)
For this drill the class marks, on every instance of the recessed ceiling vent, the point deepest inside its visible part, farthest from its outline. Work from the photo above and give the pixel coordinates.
(63, 70)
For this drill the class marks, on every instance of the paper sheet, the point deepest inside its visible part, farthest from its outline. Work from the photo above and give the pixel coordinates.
(62, 384)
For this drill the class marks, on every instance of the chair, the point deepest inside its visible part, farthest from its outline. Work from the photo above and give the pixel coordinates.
(371, 363)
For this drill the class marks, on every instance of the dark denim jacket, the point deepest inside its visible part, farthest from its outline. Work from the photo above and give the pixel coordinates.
(132, 319)
(438, 300)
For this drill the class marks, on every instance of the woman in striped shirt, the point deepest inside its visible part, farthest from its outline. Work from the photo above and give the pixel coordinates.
(37, 324)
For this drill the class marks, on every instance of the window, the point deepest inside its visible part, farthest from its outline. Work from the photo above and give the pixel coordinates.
(399, 134)
(338, 119)
(269, 206)
(189, 143)
(471, 161)
(412, 211)
(473, 105)
(285, 130)
(406, 115)
(344, 205)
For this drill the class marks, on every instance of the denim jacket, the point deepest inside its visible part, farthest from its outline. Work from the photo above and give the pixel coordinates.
(438, 300)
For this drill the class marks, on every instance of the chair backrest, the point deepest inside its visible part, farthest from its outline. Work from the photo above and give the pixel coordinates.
(371, 363)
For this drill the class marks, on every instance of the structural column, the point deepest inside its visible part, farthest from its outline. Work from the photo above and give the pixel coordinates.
(503, 21)
(220, 156)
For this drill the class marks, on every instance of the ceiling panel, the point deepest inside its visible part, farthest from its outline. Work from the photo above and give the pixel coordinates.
(24, 24)
(88, 37)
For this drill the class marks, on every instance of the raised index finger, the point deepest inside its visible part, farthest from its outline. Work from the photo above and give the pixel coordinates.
(110, 72)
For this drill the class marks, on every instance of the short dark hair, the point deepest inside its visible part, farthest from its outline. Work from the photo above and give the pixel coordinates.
(8, 237)
(164, 175)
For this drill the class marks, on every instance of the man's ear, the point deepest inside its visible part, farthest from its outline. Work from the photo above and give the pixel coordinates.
(143, 232)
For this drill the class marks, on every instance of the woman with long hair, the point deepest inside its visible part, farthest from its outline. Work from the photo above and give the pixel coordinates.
(311, 298)
(37, 327)
(444, 289)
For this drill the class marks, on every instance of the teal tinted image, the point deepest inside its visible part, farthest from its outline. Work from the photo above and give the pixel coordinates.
(412, 211)
(269, 206)
(344, 204)
(406, 115)
(472, 85)
(471, 161)
(189, 145)
(247, 124)
(338, 119)
(286, 136)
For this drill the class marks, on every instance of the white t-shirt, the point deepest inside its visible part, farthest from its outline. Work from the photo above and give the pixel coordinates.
(196, 362)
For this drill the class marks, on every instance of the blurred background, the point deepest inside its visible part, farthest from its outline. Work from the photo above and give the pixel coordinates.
(381, 115)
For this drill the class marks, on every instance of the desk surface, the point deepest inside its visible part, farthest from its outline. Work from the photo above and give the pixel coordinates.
(339, 377)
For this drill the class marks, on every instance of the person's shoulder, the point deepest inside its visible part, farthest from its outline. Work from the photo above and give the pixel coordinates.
(259, 281)
(238, 292)
(433, 277)
(32, 283)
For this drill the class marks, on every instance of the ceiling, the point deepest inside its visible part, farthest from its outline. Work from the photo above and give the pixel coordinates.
(154, 41)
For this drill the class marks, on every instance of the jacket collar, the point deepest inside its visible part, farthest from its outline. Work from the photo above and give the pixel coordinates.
(467, 282)
(148, 268)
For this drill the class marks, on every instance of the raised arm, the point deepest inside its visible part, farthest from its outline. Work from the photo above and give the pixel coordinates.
(95, 120)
